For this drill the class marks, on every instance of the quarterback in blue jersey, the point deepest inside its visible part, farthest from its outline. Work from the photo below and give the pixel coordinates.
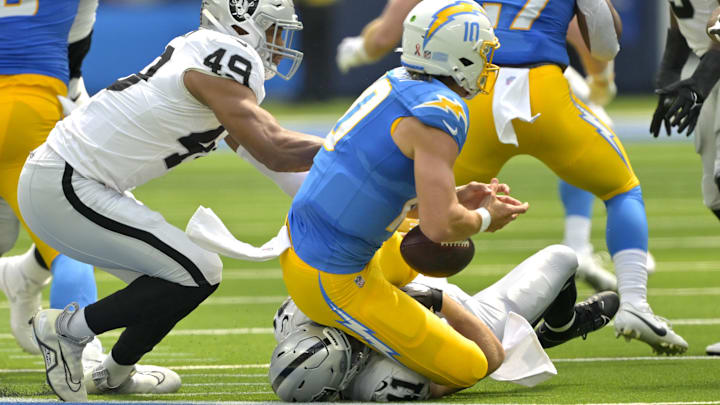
(533, 111)
(392, 150)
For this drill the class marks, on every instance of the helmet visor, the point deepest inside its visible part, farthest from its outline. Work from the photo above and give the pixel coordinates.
(279, 45)
(486, 80)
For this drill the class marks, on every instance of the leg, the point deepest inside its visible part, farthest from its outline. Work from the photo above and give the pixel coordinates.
(359, 304)
(112, 230)
(587, 154)
(578, 216)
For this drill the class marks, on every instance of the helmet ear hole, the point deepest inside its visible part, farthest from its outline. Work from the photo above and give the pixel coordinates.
(466, 61)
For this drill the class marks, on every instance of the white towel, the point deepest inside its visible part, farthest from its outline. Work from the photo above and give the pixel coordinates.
(511, 100)
(209, 232)
(526, 363)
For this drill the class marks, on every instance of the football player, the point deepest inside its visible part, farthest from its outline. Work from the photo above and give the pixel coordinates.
(693, 103)
(542, 286)
(394, 148)
(381, 35)
(206, 85)
(534, 112)
(35, 71)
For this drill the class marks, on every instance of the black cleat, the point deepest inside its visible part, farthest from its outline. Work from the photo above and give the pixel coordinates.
(590, 315)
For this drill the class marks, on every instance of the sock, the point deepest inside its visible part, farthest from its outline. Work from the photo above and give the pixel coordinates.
(38, 258)
(32, 269)
(77, 327)
(626, 222)
(560, 314)
(117, 373)
(631, 270)
(577, 234)
(73, 282)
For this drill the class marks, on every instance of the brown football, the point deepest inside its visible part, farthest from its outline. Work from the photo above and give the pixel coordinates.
(435, 259)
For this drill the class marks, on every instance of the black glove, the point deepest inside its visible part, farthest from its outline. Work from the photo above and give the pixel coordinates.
(664, 103)
(686, 101)
(429, 297)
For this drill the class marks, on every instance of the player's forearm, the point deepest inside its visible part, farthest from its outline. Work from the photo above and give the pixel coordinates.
(277, 148)
(574, 37)
(384, 33)
(474, 329)
(674, 57)
(603, 25)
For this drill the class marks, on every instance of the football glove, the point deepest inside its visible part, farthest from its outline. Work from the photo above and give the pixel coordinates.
(429, 297)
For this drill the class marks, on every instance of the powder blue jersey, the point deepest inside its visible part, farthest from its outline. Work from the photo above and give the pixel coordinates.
(530, 31)
(34, 36)
(361, 186)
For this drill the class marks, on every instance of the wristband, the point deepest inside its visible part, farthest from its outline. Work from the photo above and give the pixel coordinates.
(486, 218)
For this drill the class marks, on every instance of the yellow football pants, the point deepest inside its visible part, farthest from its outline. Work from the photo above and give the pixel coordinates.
(29, 109)
(369, 306)
(566, 137)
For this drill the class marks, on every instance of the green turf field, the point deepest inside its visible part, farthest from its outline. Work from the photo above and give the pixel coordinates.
(222, 349)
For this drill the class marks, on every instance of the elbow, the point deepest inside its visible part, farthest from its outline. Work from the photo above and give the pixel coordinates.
(495, 357)
(606, 53)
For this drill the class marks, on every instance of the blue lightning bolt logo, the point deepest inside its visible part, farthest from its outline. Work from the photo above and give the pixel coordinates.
(361, 330)
(449, 13)
(601, 129)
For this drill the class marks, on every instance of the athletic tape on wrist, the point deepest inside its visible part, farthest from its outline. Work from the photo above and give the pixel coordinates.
(486, 218)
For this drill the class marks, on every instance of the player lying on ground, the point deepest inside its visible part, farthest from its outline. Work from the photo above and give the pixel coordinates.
(305, 366)
(208, 84)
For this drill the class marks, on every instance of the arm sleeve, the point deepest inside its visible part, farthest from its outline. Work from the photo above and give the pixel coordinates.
(79, 36)
(604, 44)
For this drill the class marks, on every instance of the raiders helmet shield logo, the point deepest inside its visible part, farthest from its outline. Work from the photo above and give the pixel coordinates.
(240, 8)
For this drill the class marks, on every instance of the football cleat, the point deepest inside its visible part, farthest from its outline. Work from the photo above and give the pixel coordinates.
(142, 380)
(644, 325)
(590, 315)
(713, 350)
(62, 353)
(24, 294)
(591, 269)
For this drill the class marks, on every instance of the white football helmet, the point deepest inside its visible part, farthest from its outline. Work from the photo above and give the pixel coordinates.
(254, 18)
(451, 38)
(288, 319)
(311, 364)
(384, 380)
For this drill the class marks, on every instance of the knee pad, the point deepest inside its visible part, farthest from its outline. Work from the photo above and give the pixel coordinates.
(562, 258)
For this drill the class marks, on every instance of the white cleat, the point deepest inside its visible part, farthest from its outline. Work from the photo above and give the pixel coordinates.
(713, 350)
(62, 353)
(591, 269)
(142, 380)
(644, 325)
(24, 294)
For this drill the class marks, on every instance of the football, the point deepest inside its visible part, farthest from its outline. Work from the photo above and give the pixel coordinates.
(435, 259)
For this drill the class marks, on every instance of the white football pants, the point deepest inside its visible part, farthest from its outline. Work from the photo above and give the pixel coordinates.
(707, 144)
(526, 290)
(95, 224)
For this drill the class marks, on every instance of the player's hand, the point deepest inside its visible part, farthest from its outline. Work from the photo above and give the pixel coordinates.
(686, 105)
(502, 209)
(664, 103)
(77, 96)
(471, 195)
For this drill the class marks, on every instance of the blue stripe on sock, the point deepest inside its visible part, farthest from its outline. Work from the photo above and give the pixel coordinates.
(575, 200)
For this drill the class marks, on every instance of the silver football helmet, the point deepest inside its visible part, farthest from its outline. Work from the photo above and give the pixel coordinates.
(288, 319)
(384, 380)
(310, 364)
(451, 38)
(254, 20)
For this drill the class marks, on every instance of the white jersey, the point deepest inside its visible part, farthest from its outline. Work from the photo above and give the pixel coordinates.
(147, 123)
(692, 17)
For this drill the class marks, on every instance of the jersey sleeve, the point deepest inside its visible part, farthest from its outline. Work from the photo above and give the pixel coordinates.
(222, 55)
(444, 110)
